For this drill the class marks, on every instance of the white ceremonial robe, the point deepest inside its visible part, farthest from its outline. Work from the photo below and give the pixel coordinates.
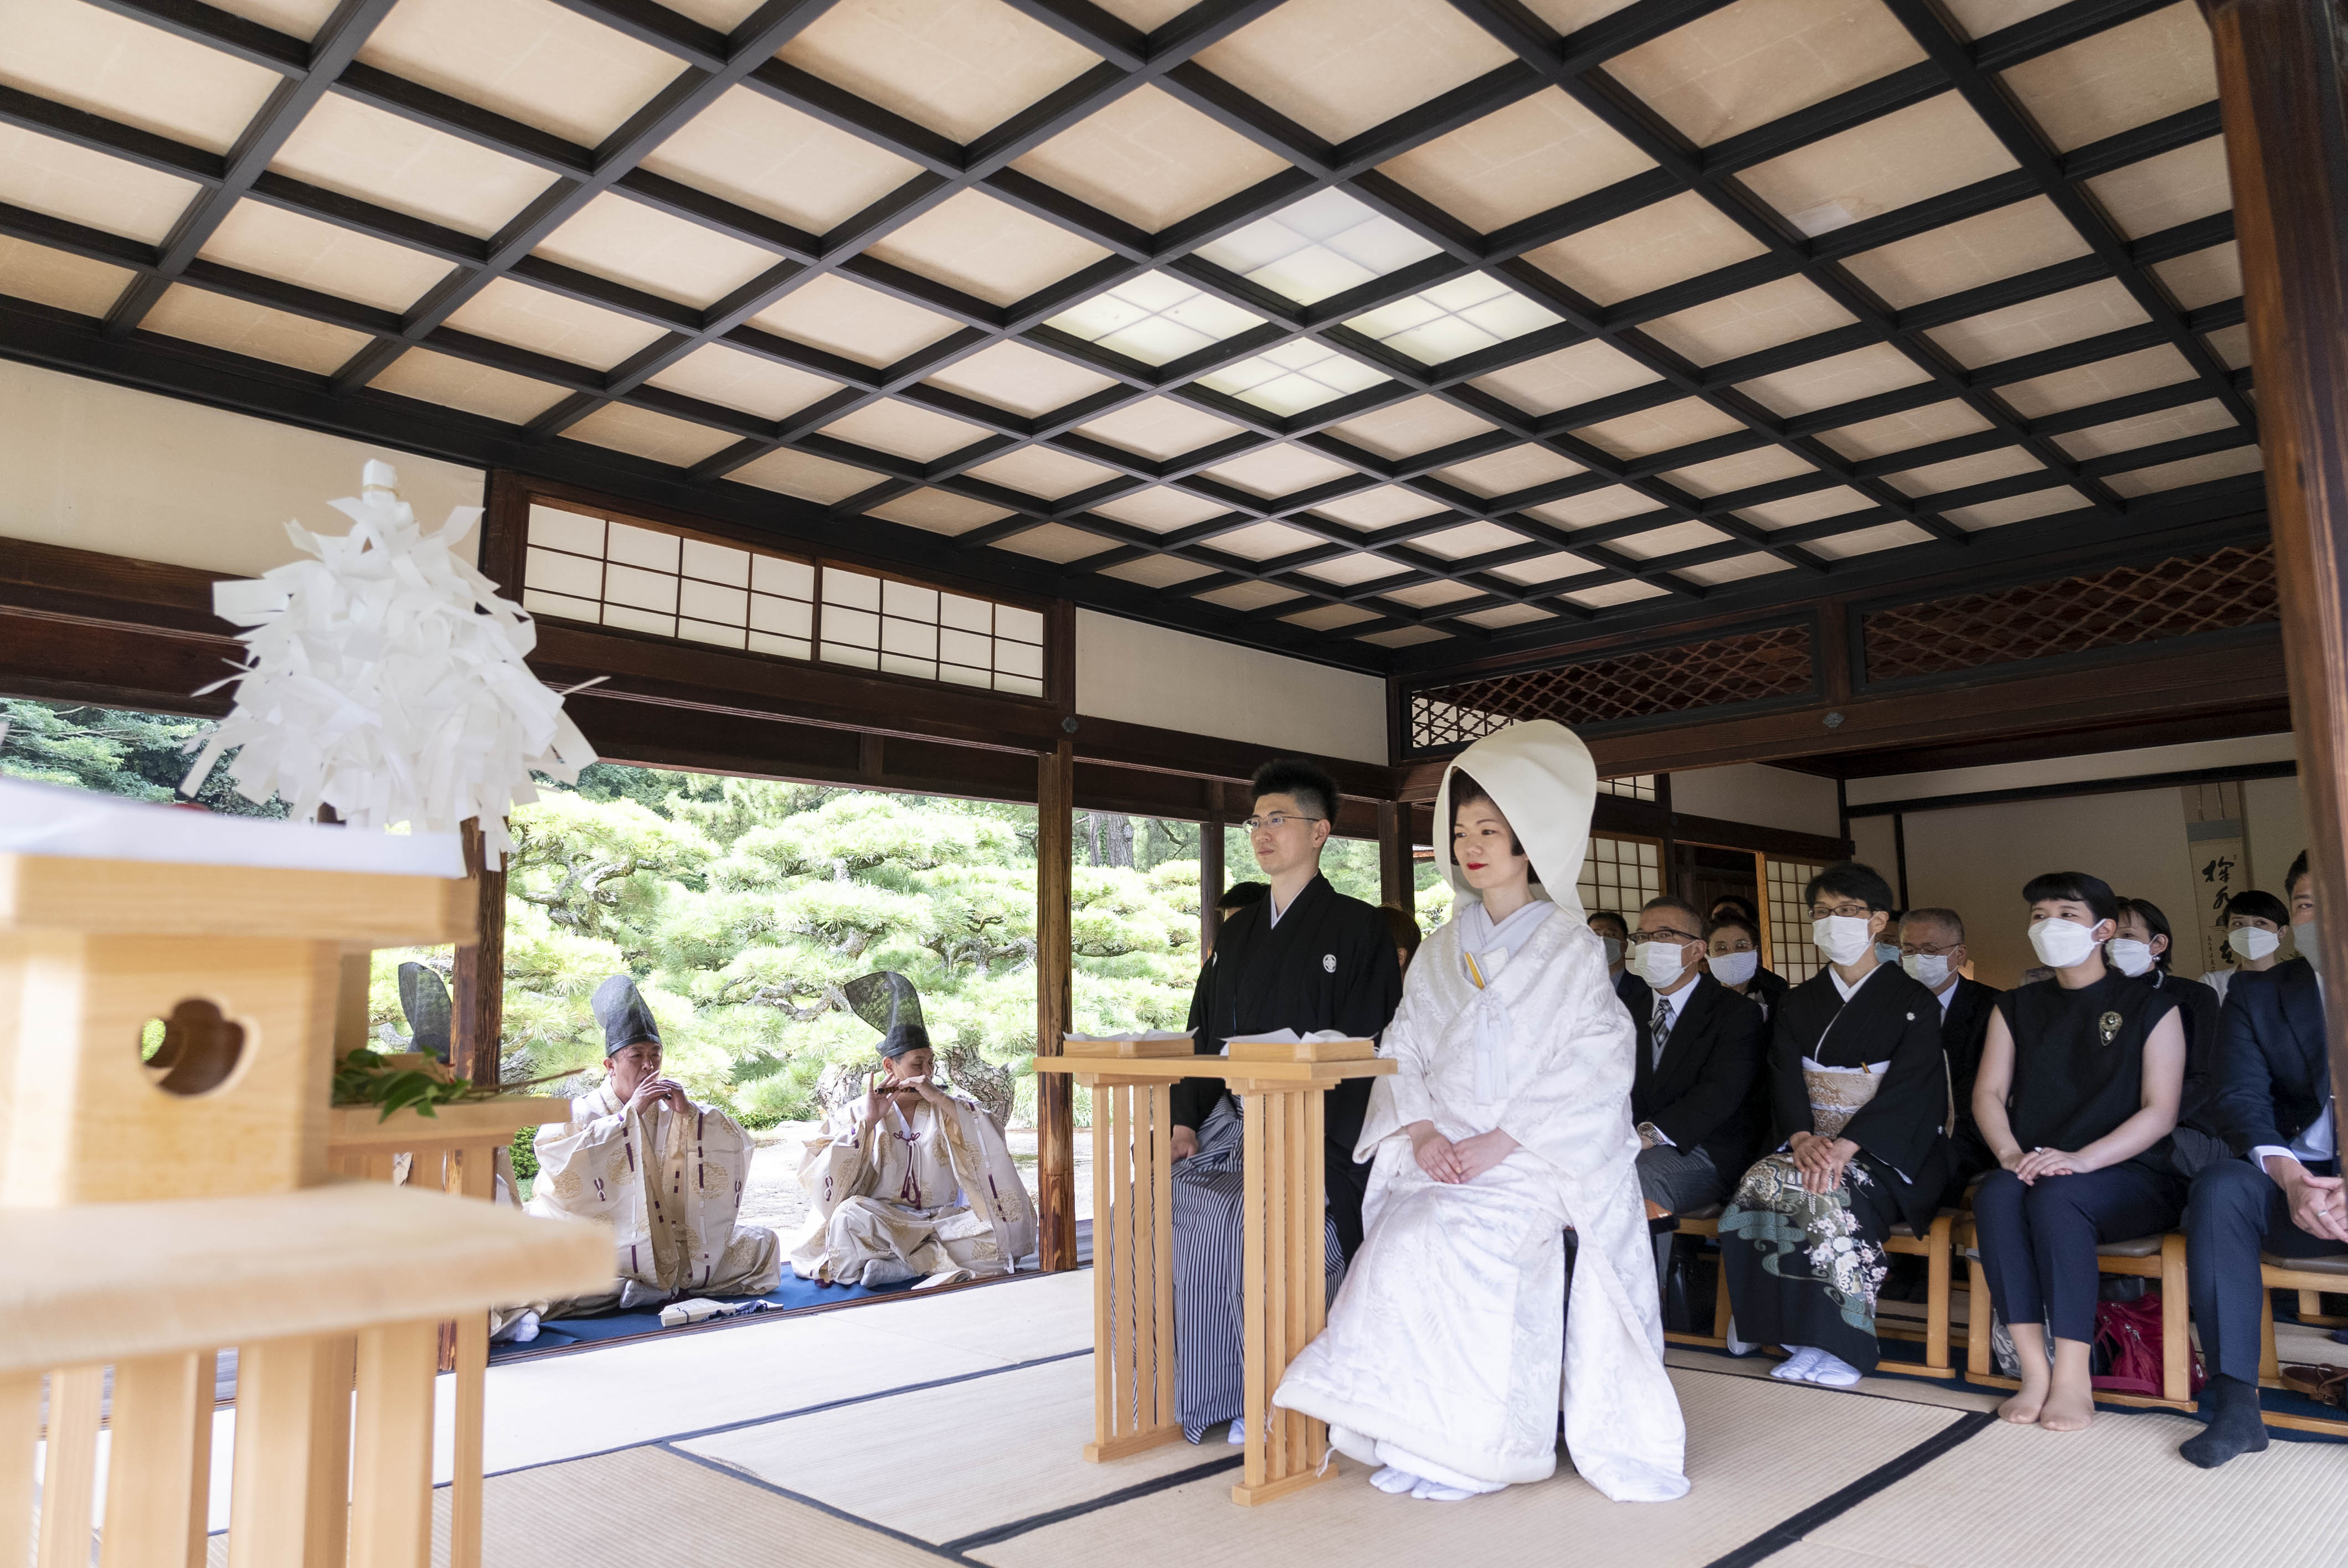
(937, 1193)
(670, 1187)
(1442, 1355)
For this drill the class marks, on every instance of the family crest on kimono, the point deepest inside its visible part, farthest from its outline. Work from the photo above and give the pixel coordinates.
(2076, 1098)
(1451, 1351)
(1300, 955)
(911, 1179)
(1860, 1095)
(662, 1170)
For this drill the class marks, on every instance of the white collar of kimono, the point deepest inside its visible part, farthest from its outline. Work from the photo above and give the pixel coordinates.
(1486, 949)
(1541, 776)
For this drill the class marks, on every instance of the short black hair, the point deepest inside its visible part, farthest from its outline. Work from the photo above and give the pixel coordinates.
(1305, 781)
(1239, 895)
(1673, 901)
(2262, 904)
(1849, 879)
(2078, 887)
(1738, 902)
(2291, 877)
(1620, 924)
(1948, 918)
(1736, 922)
(2155, 922)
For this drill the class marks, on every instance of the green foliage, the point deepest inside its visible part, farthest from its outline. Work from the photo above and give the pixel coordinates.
(365, 1078)
(115, 752)
(524, 1153)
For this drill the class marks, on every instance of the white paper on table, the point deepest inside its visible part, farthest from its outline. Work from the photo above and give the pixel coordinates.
(1283, 1036)
(81, 825)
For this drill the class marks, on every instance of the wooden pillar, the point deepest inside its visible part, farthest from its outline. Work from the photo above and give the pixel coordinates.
(1397, 873)
(1211, 880)
(479, 997)
(1056, 1123)
(2285, 105)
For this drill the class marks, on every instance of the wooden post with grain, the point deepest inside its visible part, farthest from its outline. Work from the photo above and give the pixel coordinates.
(155, 1214)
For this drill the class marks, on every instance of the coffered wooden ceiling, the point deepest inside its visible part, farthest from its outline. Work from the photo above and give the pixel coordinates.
(1394, 332)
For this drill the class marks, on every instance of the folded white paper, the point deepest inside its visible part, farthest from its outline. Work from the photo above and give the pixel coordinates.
(1282, 1036)
(387, 679)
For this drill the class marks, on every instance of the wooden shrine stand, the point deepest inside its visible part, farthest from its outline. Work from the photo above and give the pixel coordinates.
(1284, 1306)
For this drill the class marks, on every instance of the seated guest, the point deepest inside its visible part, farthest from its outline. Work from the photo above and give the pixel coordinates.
(1614, 934)
(1932, 951)
(1700, 1050)
(2253, 923)
(1305, 958)
(2142, 951)
(664, 1172)
(2076, 1097)
(2275, 1102)
(1767, 987)
(1858, 1090)
(1734, 957)
(1506, 1122)
(912, 1181)
(1406, 933)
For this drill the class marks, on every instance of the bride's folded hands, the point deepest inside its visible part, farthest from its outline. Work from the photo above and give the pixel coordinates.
(1438, 1155)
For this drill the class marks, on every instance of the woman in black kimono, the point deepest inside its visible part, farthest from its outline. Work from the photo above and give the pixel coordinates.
(2076, 1098)
(1860, 1094)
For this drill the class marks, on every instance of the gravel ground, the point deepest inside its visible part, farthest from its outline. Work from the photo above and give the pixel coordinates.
(772, 1196)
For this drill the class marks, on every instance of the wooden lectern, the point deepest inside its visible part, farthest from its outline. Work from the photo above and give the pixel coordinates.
(1284, 1306)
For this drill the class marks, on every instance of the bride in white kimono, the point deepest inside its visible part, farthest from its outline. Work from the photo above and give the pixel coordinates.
(1507, 1122)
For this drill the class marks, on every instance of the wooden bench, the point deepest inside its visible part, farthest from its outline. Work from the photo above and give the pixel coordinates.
(2160, 1257)
(2310, 1277)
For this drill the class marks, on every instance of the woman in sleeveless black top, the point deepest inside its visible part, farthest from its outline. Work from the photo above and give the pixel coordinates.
(2078, 1098)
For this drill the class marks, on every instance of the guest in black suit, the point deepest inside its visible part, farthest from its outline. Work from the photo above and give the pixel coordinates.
(2143, 951)
(1932, 951)
(1700, 1050)
(2275, 1101)
(1767, 988)
(1859, 1092)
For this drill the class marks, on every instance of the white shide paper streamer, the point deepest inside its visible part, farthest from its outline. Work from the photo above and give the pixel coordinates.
(385, 677)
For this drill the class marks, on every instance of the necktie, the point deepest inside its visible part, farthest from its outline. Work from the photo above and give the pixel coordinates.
(1660, 1031)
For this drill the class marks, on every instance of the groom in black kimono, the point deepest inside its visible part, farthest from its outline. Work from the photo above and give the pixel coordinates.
(1304, 958)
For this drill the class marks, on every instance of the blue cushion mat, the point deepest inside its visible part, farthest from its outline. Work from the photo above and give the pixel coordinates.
(794, 1295)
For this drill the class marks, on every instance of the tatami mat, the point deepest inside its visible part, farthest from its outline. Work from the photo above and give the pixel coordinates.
(1949, 1393)
(1757, 1454)
(1025, 1433)
(2019, 1497)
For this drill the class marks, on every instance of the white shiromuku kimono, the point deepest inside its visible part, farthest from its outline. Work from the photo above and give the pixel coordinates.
(670, 1187)
(1450, 1349)
(936, 1192)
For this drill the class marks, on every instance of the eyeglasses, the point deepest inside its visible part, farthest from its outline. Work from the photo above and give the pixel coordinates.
(1840, 912)
(1276, 822)
(1929, 950)
(1665, 935)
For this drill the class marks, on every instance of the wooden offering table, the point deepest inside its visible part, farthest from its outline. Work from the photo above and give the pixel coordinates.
(1283, 1305)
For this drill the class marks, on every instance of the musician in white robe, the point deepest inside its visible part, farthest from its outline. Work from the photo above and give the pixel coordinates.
(1507, 1122)
(913, 1181)
(665, 1172)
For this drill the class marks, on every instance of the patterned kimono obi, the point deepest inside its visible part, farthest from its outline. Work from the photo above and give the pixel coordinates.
(1820, 1256)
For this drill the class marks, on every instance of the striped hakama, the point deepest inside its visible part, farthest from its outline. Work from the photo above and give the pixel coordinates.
(1209, 1196)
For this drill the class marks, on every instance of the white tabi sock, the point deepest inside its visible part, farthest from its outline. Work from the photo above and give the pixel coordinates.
(1831, 1371)
(885, 1270)
(1739, 1346)
(1392, 1481)
(1239, 1432)
(1796, 1367)
(1436, 1491)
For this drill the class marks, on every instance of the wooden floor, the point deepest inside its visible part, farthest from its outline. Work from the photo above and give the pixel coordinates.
(951, 1428)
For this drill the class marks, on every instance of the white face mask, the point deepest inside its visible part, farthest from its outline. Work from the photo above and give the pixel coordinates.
(1736, 968)
(1929, 969)
(2303, 937)
(2062, 943)
(2129, 957)
(1843, 938)
(2253, 943)
(1658, 963)
(1613, 949)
